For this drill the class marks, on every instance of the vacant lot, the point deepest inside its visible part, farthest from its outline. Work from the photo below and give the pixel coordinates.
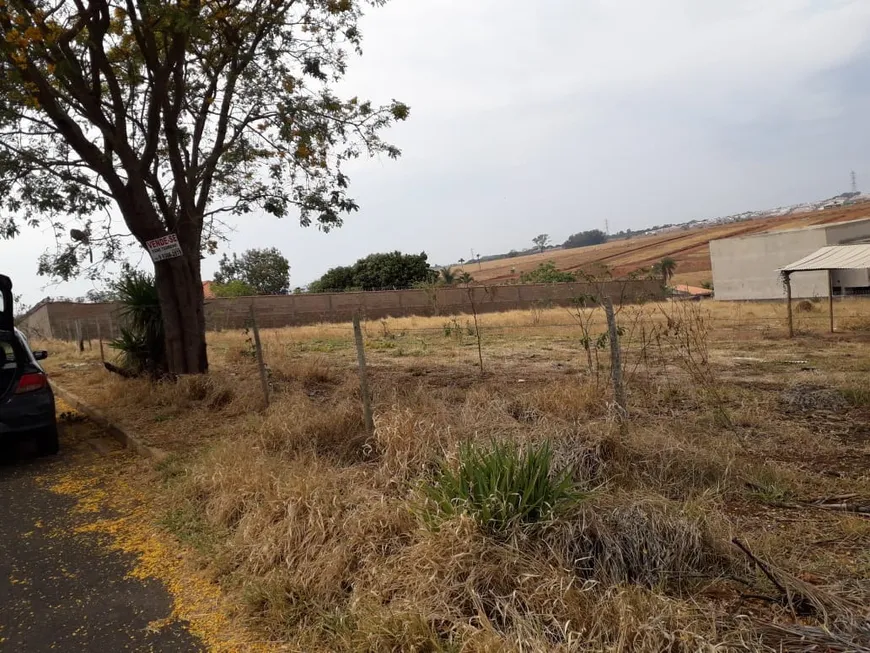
(690, 248)
(327, 538)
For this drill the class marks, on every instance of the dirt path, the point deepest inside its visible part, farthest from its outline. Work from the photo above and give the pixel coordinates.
(62, 585)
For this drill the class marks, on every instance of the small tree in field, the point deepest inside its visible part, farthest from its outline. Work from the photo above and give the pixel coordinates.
(666, 269)
(447, 276)
(265, 271)
(465, 279)
(168, 115)
(541, 241)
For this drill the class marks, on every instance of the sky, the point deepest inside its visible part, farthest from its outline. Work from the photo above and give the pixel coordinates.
(555, 116)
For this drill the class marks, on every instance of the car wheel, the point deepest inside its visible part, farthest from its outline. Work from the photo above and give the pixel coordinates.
(47, 443)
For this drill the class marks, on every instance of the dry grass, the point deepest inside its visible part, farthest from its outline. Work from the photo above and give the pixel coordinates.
(320, 535)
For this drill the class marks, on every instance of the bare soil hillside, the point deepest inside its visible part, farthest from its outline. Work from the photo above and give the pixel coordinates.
(690, 248)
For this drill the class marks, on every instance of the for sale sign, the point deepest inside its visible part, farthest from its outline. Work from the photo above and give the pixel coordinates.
(164, 248)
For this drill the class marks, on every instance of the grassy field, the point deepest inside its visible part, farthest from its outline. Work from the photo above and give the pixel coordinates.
(689, 248)
(327, 538)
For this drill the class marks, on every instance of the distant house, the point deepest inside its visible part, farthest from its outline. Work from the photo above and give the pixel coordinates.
(207, 292)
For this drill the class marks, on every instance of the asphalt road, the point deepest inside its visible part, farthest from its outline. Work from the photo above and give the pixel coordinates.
(63, 590)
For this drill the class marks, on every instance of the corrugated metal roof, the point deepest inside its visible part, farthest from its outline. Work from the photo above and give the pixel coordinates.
(834, 257)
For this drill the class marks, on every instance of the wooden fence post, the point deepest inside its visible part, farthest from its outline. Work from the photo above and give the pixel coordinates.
(615, 361)
(787, 281)
(363, 376)
(79, 338)
(259, 347)
(100, 338)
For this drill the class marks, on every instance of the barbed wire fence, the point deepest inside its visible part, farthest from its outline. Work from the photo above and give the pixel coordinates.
(614, 347)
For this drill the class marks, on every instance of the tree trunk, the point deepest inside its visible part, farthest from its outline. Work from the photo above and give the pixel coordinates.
(179, 287)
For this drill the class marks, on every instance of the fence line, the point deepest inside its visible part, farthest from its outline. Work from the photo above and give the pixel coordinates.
(673, 334)
(90, 332)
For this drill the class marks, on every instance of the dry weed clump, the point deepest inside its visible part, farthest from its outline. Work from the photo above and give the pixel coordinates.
(583, 586)
(309, 372)
(299, 424)
(669, 465)
(652, 543)
(408, 441)
(566, 400)
(301, 528)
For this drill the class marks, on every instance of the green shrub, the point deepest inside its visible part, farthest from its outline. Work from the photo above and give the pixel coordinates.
(547, 273)
(502, 486)
(234, 288)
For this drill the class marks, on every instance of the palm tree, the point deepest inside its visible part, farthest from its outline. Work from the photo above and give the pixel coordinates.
(448, 276)
(461, 262)
(666, 267)
(465, 278)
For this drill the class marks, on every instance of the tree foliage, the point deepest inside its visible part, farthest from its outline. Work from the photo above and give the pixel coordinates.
(234, 288)
(446, 276)
(541, 241)
(264, 271)
(167, 116)
(665, 269)
(195, 108)
(392, 270)
(585, 239)
(547, 273)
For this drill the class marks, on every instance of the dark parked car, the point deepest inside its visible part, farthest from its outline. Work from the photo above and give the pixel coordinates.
(26, 400)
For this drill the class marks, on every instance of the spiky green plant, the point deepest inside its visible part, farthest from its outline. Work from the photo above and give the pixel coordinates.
(502, 486)
(141, 343)
(448, 276)
(465, 278)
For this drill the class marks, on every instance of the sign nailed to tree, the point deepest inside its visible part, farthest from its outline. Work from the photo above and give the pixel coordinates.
(164, 248)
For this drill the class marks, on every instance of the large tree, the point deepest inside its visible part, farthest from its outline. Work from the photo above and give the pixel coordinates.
(265, 271)
(388, 271)
(585, 239)
(172, 114)
(541, 241)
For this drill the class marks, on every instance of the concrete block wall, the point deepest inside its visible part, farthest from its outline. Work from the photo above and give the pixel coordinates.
(745, 267)
(62, 319)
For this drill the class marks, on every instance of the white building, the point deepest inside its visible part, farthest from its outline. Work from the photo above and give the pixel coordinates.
(747, 267)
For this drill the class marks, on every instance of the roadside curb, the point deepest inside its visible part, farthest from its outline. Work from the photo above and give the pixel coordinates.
(127, 439)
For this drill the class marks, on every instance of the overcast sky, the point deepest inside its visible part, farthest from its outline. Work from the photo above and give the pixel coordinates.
(556, 115)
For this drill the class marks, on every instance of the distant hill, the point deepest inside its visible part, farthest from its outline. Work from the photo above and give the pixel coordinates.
(687, 244)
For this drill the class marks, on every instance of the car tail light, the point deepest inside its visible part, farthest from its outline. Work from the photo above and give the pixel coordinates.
(31, 383)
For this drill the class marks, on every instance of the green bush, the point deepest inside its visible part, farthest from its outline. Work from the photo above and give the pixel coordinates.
(547, 273)
(234, 288)
(502, 486)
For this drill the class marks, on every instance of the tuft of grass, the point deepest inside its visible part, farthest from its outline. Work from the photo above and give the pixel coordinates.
(858, 397)
(768, 486)
(187, 523)
(502, 486)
